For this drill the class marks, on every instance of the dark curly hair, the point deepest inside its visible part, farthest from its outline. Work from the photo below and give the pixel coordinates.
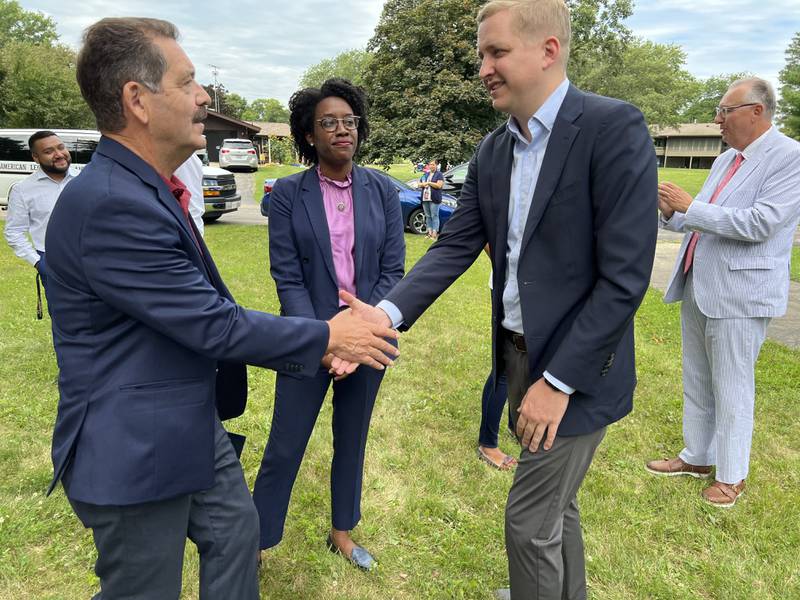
(303, 105)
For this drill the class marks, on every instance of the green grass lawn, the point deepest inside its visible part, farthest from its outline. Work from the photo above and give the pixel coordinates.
(689, 179)
(795, 269)
(403, 172)
(432, 513)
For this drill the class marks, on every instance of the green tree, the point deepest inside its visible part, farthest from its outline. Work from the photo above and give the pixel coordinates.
(423, 82)
(700, 107)
(282, 150)
(20, 25)
(599, 38)
(789, 106)
(235, 105)
(650, 76)
(38, 88)
(231, 104)
(350, 65)
(426, 99)
(266, 109)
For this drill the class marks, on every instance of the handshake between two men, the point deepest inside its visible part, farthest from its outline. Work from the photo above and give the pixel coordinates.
(359, 335)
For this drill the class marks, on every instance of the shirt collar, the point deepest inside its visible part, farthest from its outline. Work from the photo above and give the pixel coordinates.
(340, 184)
(176, 187)
(71, 172)
(753, 147)
(545, 117)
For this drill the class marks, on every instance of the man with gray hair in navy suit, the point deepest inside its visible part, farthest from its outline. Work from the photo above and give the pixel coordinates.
(732, 275)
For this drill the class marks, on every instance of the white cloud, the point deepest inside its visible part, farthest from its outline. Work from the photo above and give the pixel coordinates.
(263, 47)
(722, 36)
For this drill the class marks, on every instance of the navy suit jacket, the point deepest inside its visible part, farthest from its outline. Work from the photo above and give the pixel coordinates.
(149, 341)
(301, 260)
(586, 254)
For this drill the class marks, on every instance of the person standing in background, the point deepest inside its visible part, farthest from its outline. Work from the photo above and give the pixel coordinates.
(31, 201)
(431, 184)
(731, 277)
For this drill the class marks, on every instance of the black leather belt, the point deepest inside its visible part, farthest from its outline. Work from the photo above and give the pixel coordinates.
(517, 339)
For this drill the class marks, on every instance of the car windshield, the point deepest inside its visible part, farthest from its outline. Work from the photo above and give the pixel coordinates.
(458, 173)
(239, 145)
(399, 183)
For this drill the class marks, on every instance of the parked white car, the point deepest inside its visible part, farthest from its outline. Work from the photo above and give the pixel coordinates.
(238, 154)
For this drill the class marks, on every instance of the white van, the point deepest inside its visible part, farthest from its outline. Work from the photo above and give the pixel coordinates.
(16, 162)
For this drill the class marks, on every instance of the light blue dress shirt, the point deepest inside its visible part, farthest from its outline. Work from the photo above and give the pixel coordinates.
(528, 157)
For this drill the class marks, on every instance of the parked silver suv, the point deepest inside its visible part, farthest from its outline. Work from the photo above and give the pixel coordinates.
(238, 154)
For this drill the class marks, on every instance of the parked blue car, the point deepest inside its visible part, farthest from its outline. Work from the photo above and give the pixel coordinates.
(410, 204)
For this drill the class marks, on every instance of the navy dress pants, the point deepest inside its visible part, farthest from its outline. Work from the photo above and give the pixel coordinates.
(297, 405)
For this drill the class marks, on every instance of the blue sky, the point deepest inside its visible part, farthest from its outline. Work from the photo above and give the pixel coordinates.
(263, 47)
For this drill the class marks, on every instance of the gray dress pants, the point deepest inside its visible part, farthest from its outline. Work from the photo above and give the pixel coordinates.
(140, 547)
(543, 526)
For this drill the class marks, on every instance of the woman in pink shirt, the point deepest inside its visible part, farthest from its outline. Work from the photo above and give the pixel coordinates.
(335, 226)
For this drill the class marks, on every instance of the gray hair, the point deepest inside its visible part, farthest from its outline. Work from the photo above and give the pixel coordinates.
(760, 92)
(116, 51)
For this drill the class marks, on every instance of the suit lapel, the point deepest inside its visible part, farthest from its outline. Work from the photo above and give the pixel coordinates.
(315, 208)
(361, 198)
(555, 157)
(502, 161)
(148, 175)
(747, 168)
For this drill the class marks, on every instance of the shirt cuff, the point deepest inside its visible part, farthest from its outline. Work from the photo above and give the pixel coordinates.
(559, 384)
(394, 314)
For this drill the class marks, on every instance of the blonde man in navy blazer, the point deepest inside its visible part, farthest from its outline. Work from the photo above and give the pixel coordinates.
(732, 275)
(564, 193)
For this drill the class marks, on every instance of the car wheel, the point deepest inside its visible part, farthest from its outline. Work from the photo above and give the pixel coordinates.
(416, 222)
(210, 218)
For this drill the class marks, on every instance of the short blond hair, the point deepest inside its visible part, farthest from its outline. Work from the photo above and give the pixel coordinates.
(535, 17)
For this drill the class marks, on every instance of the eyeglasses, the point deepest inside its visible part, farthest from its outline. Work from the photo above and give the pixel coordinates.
(724, 111)
(330, 123)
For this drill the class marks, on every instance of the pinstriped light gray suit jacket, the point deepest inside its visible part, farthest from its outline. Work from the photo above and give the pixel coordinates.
(741, 261)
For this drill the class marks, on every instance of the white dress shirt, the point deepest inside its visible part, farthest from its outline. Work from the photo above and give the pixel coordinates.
(191, 175)
(30, 203)
(528, 157)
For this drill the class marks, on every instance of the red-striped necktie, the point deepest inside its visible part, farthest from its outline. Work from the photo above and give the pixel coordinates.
(687, 262)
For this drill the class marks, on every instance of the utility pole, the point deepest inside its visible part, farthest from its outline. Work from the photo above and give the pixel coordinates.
(215, 71)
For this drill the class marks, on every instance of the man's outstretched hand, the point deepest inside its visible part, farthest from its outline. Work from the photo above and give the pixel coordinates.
(357, 338)
(371, 314)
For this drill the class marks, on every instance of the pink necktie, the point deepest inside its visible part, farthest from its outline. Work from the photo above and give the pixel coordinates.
(687, 263)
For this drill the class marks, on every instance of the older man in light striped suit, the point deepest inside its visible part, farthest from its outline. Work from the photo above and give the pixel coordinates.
(732, 275)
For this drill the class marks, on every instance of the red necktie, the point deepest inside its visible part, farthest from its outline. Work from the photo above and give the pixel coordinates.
(183, 196)
(687, 263)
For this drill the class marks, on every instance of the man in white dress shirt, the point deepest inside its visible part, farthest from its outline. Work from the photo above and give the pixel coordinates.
(31, 201)
(732, 276)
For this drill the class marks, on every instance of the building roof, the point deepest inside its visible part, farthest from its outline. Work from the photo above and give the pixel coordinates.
(273, 129)
(249, 126)
(688, 130)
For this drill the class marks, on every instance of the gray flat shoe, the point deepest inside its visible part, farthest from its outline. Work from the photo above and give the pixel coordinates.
(360, 557)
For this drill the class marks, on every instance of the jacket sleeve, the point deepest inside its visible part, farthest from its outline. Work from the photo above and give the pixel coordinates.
(284, 259)
(776, 204)
(135, 260)
(458, 246)
(624, 183)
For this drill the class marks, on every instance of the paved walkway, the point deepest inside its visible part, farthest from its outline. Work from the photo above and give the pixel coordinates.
(785, 330)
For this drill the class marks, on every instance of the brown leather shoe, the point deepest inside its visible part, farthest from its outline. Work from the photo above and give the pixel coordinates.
(723, 495)
(670, 467)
